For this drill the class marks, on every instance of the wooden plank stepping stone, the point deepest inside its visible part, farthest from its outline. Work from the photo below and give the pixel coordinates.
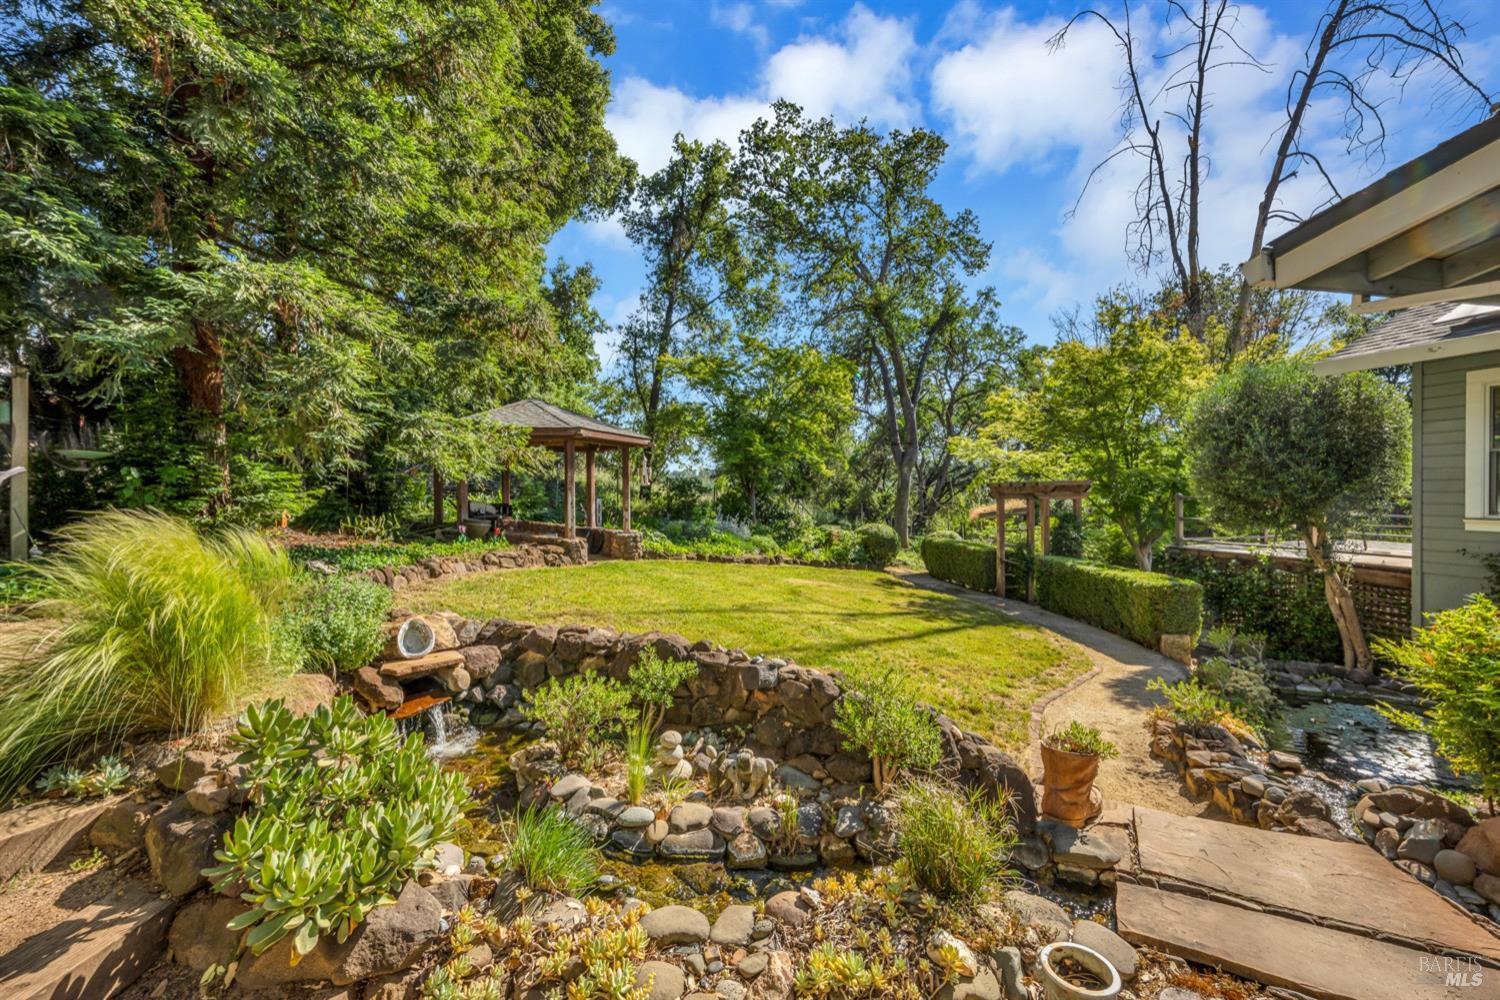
(96, 952)
(1278, 951)
(34, 835)
(421, 666)
(1336, 883)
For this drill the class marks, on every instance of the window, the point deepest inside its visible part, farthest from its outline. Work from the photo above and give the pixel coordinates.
(1482, 450)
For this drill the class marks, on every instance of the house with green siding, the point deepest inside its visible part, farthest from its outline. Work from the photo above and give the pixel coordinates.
(1423, 243)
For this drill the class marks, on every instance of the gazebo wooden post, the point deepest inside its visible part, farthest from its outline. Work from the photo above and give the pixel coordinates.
(592, 520)
(437, 499)
(1078, 510)
(1046, 506)
(505, 487)
(1031, 549)
(625, 489)
(570, 492)
(1000, 548)
(463, 500)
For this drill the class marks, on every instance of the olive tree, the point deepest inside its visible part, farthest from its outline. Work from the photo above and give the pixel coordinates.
(1274, 447)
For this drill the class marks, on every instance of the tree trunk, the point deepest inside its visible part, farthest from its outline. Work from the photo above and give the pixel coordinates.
(901, 516)
(1340, 601)
(200, 368)
(1143, 555)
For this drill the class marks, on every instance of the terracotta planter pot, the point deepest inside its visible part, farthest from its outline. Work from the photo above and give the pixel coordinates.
(1068, 779)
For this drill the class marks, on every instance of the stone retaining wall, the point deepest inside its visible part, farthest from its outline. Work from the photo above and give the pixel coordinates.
(755, 559)
(545, 552)
(785, 711)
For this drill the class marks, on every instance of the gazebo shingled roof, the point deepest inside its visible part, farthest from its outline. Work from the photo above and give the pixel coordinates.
(552, 425)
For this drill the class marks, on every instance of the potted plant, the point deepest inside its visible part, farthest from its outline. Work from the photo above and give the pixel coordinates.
(1070, 762)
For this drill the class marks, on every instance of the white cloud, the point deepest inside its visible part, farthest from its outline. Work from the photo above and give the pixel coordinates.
(863, 71)
(740, 18)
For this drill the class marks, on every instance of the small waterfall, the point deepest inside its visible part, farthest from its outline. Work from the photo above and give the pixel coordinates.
(444, 739)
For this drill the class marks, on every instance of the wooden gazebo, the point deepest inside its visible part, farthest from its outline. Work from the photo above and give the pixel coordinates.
(565, 432)
(1030, 494)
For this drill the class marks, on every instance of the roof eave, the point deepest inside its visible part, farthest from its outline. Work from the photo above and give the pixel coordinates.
(1437, 350)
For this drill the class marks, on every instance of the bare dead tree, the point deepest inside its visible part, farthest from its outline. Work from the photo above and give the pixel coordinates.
(1167, 224)
(1356, 43)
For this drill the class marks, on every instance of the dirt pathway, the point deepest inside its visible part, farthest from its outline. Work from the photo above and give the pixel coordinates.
(1112, 698)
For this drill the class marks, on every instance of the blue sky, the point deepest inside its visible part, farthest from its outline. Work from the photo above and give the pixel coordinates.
(1024, 125)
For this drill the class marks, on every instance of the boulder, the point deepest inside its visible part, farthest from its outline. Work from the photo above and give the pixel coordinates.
(789, 907)
(665, 980)
(1482, 843)
(122, 826)
(377, 691)
(775, 980)
(184, 771)
(1109, 944)
(695, 845)
(1422, 842)
(481, 661)
(1455, 867)
(675, 925)
(689, 816)
(200, 935)
(734, 926)
(180, 843)
(745, 851)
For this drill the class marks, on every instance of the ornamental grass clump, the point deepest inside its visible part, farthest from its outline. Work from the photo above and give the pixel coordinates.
(954, 844)
(577, 711)
(156, 629)
(1455, 661)
(343, 811)
(552, 852)
(880, 716)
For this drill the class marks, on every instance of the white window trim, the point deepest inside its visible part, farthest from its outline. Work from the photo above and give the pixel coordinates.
(1477, 385)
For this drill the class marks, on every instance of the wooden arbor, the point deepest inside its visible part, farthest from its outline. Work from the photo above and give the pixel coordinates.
(1032, 494)
(568, 433)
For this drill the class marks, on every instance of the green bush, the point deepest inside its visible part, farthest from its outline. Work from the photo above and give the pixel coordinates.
(552, 852)
(360, 556)
(1289, 608)
(653, 681)
(576, 711)
(765, 544)
(955, 845)
(159, 629)
(1078, 738)
(344, 812)
(1193, 704)
(337, 621)
(1244, 686)
(968, 564)
(880, 543)
(880, 716)
(1137, 605)
(1455, 661)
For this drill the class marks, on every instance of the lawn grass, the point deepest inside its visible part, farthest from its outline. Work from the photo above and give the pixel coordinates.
(980, 668)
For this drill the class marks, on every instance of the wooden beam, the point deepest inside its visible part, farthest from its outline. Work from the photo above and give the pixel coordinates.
(1464, 226)
(437, 499)
(20, 456)
(625, 488)
(1475, 262)
(1031, 551)
(570, 492)
(592, 520)
(1463, 293)
(463, 500)
(1046, 506)
(1000, 551)
(505, 488)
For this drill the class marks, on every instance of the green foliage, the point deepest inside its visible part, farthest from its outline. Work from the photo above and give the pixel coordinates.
(954, 844)
(337, 620)
(640, 751)
(108, 776)
(653, 681)
(1138, 605)
(19, 583)
(879, 715)
(1078, 738)
(833, 973)
(1193, 704)
(577, 711)
(159, 629)
(1243, 685)
(1455, 660)
(968, 564)
(552, 852)
(880, 543)
(343, 812)
(1067, 532)
(1290, 609)
(358, 557)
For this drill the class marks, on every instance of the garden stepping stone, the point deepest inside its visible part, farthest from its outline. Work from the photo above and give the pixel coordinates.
(635, 817)
(1106, 942)
(667, 981)
(689, 816)
(97, 952)
(675, 925)
(734, 926)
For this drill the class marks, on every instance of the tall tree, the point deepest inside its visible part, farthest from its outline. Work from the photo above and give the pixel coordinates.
(682, 220)
(777, 415)
(875, 263)
(306, 216)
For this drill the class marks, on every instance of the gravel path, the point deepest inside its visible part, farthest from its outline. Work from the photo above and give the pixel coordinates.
(1113, 698)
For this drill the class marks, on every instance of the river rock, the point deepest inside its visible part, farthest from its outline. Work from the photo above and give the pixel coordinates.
(1482, 843)
(1051, 921)
(1488, 886)
(675, 925)
(790, 907)
(689, 816)
(729, 820)
(180, 843)
(1283, 761)
(1107, 943)
(1422, 842)
(667, 981)
(565, 787)
(694, 845)
(734, 926)
(183, 772)
(1455, 867)
(635, 817)
(764, 821)
(745, 851)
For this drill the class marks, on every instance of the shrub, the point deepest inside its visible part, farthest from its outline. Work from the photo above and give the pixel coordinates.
(1078, 738)
(1244, 686)
(576, 710)
(765, 544)
(1289, 608)
(653, 681)
(1455, 661)
(1192, 704)
(552, 852)
(879, 715)
(1137, 605)
(344, 813)
(880, 543)
(338, 619)
(954, 844)
(968, 564)
(362, 556)
(158, 629)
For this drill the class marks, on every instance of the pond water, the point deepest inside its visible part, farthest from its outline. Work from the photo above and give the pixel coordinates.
(1349, 742)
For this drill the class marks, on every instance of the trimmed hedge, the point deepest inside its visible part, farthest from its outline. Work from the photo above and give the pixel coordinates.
(1140, 606)
(968, 564)
(880, 543)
